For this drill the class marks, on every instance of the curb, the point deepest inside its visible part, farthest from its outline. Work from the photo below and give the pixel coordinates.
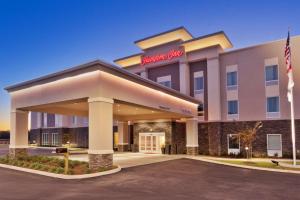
(61, 176)
(245, 167)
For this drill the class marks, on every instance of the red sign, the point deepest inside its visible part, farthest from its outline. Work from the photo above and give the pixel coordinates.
(159, 57)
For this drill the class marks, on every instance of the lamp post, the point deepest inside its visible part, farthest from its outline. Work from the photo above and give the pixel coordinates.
(247, 152)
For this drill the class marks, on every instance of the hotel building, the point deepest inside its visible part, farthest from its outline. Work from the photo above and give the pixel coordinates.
(188, 94)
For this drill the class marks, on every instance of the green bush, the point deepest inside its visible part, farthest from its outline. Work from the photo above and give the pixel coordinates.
(49, 164)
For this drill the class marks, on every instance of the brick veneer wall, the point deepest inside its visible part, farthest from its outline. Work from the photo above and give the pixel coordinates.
(218, 131)
(203, 139)
(178, 138)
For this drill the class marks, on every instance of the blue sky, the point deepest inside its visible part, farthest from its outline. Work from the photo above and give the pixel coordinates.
(40, 37)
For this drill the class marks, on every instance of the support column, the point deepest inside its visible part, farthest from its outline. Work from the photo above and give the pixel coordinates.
(184, 72)
(213, 88)
(123, 136)
(100, 132)
(192, 136)
(18, 133)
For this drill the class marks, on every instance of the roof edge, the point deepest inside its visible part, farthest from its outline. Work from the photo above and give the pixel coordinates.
(109, 66)
(165, 32)
(130, 56)
(208, 35)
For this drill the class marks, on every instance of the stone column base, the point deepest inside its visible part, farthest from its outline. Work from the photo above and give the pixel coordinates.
(123, 147)
(192, 151)
(17, 152)
(100, 161)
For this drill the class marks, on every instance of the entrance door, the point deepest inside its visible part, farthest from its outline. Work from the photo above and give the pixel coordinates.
(151, 142)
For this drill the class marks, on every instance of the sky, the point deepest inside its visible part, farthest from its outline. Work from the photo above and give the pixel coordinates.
(41, 37)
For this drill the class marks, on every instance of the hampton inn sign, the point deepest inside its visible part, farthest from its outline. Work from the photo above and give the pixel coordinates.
(174, 53)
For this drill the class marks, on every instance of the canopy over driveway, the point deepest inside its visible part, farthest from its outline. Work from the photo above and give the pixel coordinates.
(102, 92)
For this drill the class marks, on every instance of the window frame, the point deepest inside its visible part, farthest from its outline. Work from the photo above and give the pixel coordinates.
(271, 152)
(271, 82)
(198, 74)
(271, 115)
(231, 150)
(164, 79)
(45, 137)
(232, 87)
(237, 107)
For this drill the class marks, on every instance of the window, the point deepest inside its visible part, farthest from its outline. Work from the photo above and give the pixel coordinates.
(58, 120)
(233, 142)
(86, 121)
(232, 107)
(45, 139)
(45, 120)
(165, 81)
(74, 120)
(273, 104)
(199, 83)
(55, 141)
(274, 145)
(271, 73)
(232, 78)
(274, 141)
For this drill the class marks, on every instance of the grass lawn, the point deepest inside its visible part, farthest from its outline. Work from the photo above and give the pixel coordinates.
(263, 164)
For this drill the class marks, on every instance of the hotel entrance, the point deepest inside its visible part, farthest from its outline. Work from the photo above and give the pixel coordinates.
(151, 142)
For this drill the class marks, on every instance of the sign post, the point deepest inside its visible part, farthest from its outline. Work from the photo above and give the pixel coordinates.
(65, 151)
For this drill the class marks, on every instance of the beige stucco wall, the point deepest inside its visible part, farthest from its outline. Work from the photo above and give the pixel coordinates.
(251, 79)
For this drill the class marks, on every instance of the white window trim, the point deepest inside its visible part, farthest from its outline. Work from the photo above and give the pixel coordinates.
(234, 151)
(233, 116)
(273, 115)
(272, 152)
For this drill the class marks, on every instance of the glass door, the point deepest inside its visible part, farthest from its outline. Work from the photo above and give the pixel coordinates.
(151, 142)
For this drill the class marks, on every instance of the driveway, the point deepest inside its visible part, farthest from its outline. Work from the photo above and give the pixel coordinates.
(175, 179)
(129, 159)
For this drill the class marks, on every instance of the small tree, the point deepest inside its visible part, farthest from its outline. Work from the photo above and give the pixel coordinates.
(248, 135)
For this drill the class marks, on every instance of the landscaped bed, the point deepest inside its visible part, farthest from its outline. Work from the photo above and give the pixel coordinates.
(53, 165)
(255, 163)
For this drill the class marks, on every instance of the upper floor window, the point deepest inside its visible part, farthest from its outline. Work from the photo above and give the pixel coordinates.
(271, 75)
(233, 107)
(273, 104)
(165, 81)
(199, 83)
(74, 120)
(45, 120)
(232, 78)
